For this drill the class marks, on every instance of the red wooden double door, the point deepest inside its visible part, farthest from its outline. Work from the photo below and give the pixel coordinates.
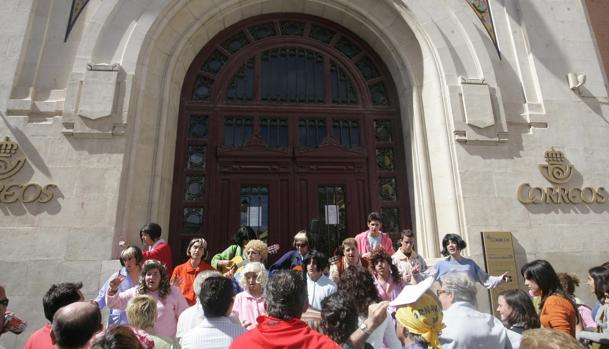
(287, 122)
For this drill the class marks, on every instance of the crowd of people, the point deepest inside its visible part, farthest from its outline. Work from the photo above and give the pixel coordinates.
(368, 296)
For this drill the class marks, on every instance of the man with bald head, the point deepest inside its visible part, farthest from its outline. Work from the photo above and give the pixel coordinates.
(75, 324)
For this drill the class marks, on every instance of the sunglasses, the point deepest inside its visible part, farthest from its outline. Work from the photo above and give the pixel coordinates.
(300, 245)
(4, 302)
(439, 292)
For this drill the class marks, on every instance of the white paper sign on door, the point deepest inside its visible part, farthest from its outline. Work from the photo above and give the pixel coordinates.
(331, 214)
(253, 213)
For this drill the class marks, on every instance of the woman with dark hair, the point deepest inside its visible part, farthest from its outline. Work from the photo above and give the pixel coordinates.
(517, 311)
(131, 259)
(387, 278)
(120, 337)
(153, 281)
(157, 248)
(556, 308)
(452, 245)
(596, 275)
(183, 275)
(357, 286)
(223, 259)
(599, 281)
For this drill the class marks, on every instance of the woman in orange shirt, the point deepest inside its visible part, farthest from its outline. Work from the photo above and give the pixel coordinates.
(183, 275)
(557, 311)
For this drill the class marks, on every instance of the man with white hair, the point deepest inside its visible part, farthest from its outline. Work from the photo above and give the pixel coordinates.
(466, 327)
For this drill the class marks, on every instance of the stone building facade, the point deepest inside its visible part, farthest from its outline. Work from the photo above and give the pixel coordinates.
(97, 112)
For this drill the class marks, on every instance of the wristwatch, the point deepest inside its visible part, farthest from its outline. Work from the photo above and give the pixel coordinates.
(364, 328)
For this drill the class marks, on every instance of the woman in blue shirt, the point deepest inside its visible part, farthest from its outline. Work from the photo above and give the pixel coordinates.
(452, 245)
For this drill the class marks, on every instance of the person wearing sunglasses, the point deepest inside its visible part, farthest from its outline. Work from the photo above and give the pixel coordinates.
(293, 259)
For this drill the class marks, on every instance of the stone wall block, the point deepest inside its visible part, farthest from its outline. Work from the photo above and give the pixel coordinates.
(96, 101)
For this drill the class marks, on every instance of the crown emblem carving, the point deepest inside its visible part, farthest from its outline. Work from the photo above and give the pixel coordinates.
(8, 148)
(557, 170)
(8, 167)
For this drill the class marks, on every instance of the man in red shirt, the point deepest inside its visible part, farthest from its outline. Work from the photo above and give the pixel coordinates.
(282, 328)
(59, 295)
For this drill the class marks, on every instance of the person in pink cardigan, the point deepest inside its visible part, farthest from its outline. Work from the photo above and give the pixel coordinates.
(153, 281)
(251, 302)
(373, 238)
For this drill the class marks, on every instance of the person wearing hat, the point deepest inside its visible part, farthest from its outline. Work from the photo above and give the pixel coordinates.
(419, 323)
(418, 316)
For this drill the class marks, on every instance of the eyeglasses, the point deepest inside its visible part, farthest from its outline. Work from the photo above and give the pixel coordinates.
(251, 252)
(439, 292)
(301, 245)
(4, 302)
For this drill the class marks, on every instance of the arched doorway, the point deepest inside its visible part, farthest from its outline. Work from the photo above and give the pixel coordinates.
(287, 122)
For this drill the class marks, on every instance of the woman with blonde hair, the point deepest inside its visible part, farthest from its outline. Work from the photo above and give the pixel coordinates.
(184, 274)
(250, 303)
(255, 251)
(154, 282)
(141, 312)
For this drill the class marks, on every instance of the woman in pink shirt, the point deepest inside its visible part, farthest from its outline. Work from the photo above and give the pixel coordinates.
(154, 281)
(387, 278)
(251, 303)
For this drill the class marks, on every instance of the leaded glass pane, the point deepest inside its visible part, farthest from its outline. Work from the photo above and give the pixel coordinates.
(343, 91)
(241, 87)
(293, 75)
(347, 47)
(202, 89)
(384, 159)
(388, 189)
(261, 31)
(214, 63)
(194, 188)
(196, 157)
(235, 43)
(367, 68)
(292, 28)
(382, 130)
(193, 219)
(237, 131)
(198, 127)
(311, 132)
(254, 207)
(346, 132)
(377, 92)
(391, 219)
(322, 34)
(274, 132)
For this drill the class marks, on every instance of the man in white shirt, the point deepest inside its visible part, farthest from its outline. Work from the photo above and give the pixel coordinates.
(216, 330)
(410, 264)
(466, 327)
(319, 286)
(193, 316)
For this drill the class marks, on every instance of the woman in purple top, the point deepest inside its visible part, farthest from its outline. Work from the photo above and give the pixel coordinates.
(387, 278)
